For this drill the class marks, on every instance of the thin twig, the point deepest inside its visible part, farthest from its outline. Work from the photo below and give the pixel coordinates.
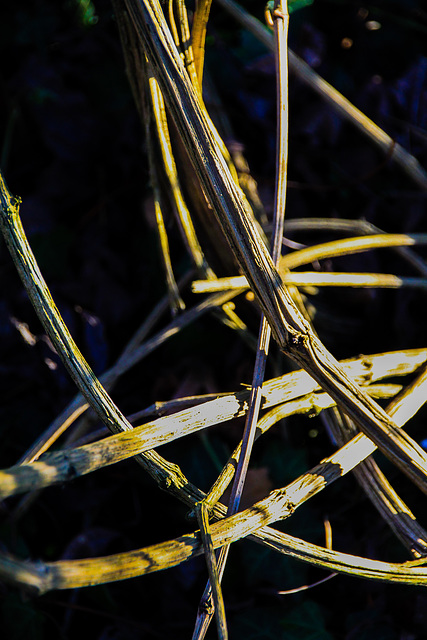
(326, 279)
(321, 251)
(281, 31)
(359, 227)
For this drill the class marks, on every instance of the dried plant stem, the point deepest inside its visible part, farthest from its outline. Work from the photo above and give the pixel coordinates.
(326, 279)
(186, 44)
(176, 302)
(366, 370)
(280, 504)
(377, 488)
(70, 464)
(214, 584)
(289, 327)
(90, 387)
(322, 251)
(78, 406)
(128, 359)
(360, 227)
(344, 107)
(281, 24)
(348, 246)
(40, 578)
(281, 40)
(310, 404)
(295, 336)
(198, 35)
(182, 213)
(160, 469)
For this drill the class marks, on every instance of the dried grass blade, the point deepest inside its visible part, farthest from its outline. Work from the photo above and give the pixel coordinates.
(360, 227)
(325, 279)
(198, 35)
(214, 577)
(322, 251)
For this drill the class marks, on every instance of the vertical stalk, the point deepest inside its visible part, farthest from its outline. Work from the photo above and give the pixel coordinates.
(280, 18)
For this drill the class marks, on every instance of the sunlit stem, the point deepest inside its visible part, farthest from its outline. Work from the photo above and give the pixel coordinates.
(281, 23)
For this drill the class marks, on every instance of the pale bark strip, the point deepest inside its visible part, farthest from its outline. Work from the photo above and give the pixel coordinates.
(280, 504)
(63, 466)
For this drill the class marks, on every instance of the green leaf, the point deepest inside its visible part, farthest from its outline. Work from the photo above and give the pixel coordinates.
(87, 12)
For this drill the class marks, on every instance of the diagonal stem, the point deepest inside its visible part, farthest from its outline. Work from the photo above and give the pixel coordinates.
(290, 329)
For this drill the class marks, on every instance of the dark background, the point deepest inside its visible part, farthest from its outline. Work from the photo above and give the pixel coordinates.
(73, 149)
